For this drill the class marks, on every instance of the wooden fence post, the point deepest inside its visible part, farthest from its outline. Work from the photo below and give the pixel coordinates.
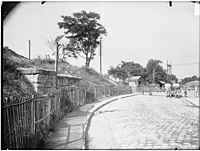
(77, 96)
(33, 115)
(15, 145)
(8, 122)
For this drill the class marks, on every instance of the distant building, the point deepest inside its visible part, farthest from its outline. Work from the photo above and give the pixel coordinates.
(135, 81)
(161, 84)
(193, 86)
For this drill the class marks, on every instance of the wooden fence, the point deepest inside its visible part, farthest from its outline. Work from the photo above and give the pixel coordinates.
(161, 91)
(27, 120)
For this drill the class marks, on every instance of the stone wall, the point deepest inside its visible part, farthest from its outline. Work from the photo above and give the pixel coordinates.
(44, 81)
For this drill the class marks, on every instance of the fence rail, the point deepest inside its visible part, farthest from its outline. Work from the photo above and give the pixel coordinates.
(27, 120)
(162, 91)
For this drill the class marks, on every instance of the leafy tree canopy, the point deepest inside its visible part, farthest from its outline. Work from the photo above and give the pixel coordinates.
(159, 72)
(129, 69)
(189, 79)
(125, 69)
(84, 32)
(66, 49)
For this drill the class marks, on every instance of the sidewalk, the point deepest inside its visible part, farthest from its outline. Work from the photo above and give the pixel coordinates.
(69, 132)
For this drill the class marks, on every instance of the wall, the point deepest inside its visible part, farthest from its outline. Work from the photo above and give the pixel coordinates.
(44, 81)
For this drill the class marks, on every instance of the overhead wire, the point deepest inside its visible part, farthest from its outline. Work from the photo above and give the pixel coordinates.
(185, 64)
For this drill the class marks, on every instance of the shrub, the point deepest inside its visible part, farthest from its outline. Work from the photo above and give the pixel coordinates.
(40, 61)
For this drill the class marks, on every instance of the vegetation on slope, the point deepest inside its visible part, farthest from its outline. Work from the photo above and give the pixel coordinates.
(15, 82)
(89, 75)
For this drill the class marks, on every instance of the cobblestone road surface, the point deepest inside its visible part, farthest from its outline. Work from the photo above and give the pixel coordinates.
(145, 122)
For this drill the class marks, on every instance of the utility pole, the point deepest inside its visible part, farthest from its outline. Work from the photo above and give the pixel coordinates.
(29, 49)
(170, 68)
(169, 71)
(153, 75)
(100, 55)
(56, 64)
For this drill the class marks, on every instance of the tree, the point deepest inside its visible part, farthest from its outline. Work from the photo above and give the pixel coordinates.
(131, 68)
(172, 77)
(189, 79)
(113, 72)
(125, 70)
(117, 73)
(84, 32)
(66, 49)
(159, 72)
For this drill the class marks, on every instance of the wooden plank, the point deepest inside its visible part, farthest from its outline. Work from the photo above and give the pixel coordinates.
(14, 125)
(36, 126)
(49, 110)
(5, 132)
(22, 122)
(5, 127)
(78, 97)
(17, 125)
(25, 123)
(9, 126)
(43, 118)
(58, 106)
(28, 100)
(32, 117)
(44, 114)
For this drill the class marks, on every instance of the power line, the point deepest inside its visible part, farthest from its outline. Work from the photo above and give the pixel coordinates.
(185, 63)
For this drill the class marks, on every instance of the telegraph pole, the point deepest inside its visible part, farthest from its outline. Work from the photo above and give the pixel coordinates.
(29, 49)
(56, 64)
(169, 71)
(171, 68)
(100, 55)
(153, 75)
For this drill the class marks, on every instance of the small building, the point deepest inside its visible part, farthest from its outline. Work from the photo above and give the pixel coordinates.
(161, 84)
(193, 86)
(135, 81)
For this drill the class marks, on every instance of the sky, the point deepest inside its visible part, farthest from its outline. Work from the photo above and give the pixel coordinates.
(136, 31)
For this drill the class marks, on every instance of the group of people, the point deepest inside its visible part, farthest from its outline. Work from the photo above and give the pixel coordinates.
(173, 90)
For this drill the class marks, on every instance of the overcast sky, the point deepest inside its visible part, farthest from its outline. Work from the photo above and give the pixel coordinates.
(137, 31)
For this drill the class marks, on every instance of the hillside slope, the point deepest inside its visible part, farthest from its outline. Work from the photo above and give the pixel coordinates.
(13, 80)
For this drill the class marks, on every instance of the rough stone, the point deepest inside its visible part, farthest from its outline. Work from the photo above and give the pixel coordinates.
(33, 71)
(44, 80)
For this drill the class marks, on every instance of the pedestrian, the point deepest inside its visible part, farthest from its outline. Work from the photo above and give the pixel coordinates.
(185, 93)
(176, 87)
(196, 91)
(142, 90)
(167, 89)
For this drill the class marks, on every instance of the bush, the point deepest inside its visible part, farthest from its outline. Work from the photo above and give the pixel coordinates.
(40, 61)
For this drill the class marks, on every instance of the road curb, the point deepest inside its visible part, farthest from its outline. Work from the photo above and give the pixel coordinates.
(93, 110)
(190, 103)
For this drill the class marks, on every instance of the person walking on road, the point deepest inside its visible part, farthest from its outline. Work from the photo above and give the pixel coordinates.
(168, 89)
(176, 89)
